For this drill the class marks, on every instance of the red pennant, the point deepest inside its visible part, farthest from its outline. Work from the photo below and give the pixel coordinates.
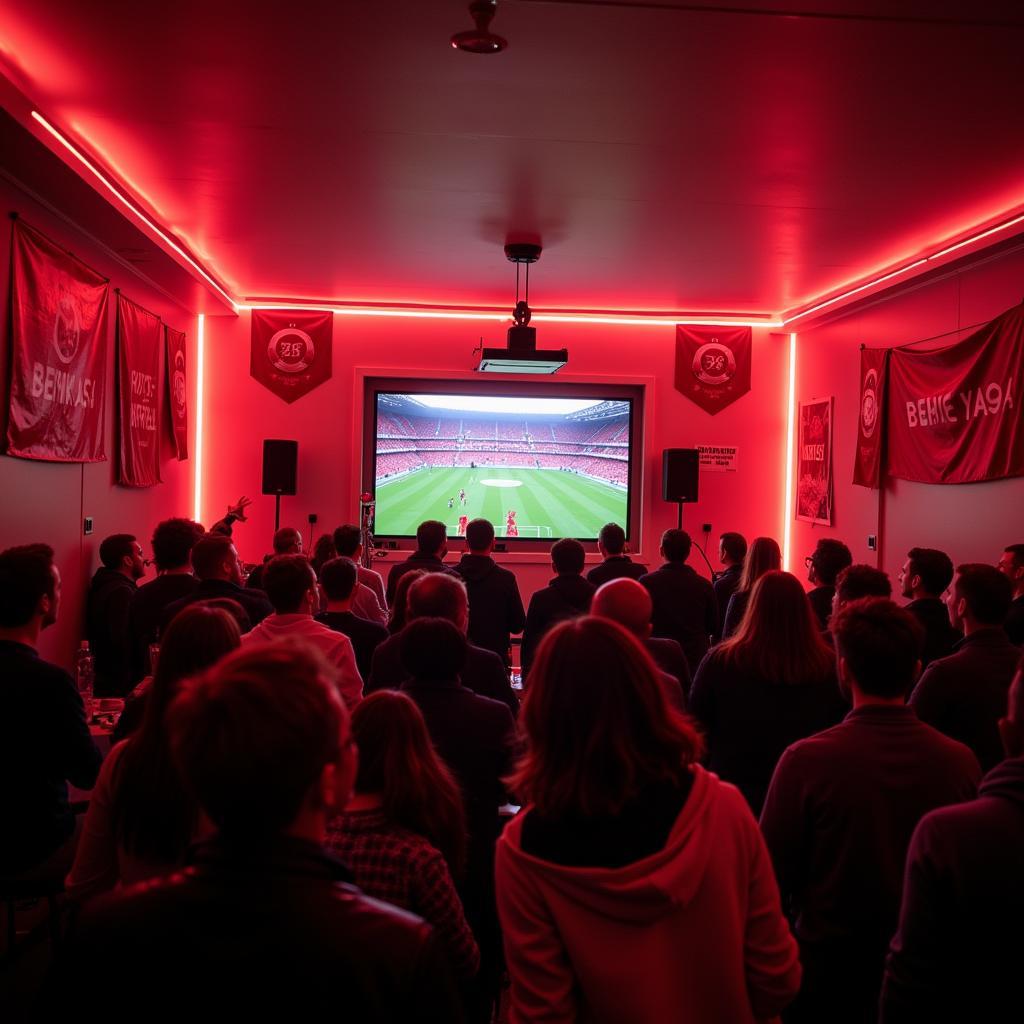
(177, 390)
(713, 365)
(139, 335)
(291, 351)
(867, 465)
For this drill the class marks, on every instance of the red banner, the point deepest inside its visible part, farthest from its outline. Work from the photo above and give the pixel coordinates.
(867, 465)
(177, 391)
(814, 463)
(954, 415)
(138, 385)
(291, 351)
(713, 365)
(58, 353)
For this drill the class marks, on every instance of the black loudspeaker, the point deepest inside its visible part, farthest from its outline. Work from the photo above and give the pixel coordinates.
(280, 466)
(680, 474)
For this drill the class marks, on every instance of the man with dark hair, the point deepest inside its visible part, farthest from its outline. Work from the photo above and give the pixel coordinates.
(108, 608)
(565, 596)
(286, 541)
(732, 550)
(616, 564)
(923, 578)
(959, 947)
(1011, 565)
(855, 582)
(964, 694)
(340, 581)
(439, 595)
(684, 603)
(843, 805)
(348, 542)
(495, 607)
(215, 562)
(291, 587)
(47, 741)
(431, 547)
(262, 922)
(829, 559)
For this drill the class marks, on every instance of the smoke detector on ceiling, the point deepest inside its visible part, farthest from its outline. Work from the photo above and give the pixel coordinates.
(480, 39)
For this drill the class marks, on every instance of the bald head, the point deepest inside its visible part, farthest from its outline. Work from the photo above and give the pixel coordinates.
(626, 602)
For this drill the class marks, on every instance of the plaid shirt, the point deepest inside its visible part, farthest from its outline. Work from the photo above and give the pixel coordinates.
(397, 866)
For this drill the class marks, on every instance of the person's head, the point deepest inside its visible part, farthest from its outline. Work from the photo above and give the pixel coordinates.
(438, 595)
(232, 607)
(29, 587)
(878, 648)
(348, 541)
(323, 551)
(828, 560)
(926, 573)
(597, 727)
(1011, 727)
(857, 581)
(338, 577)
(567, 557)
(262, 742)
(979, 596)
(123, 553)
(400, 604)
(778, 636)
(398, 764)
(432, 538)
(675, 545)
(1011, 565)
(172, 543)
(214, 557)
(290, 584)
(762, 556)
(611, 540)
(287, 541)
(480, 536)
(732, 548)
(626, 602)
(432, 647)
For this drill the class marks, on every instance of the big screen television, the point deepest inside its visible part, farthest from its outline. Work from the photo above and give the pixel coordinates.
(540, 461)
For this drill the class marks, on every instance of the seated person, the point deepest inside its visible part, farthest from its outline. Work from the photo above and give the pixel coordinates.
(615, 564)
(431, 547)
(339, 580)
(348, 543)
(286, 541)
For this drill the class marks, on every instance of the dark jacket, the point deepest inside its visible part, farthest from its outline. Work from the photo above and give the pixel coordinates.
(735, 612)
(366, 636)
(1014, 624)
(684, 608)
(495, 607)
(964, 695)
(725, 586)
(939, 636)
(107, 610)
(147, 612)
(565, 597)
(959, 948)
(256, 604)
(669, 657)
(821, 604)
(255, 934)
(417, 560)
(616, 567)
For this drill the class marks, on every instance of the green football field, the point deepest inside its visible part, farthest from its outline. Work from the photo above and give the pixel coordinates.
(548, 503)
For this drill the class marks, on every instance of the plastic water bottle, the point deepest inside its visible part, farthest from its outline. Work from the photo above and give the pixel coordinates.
(85, 676)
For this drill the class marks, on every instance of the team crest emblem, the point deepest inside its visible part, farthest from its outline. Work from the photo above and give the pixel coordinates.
(290, 350)
(178, 385)
(869, 403)
(714, 363)
(67, 327)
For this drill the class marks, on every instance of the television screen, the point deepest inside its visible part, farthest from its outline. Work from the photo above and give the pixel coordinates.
(538, 467)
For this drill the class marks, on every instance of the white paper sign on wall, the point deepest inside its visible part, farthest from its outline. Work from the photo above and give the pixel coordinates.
(718, 458)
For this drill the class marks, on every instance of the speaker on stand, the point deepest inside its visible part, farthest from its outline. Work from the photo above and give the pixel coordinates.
(280, 472)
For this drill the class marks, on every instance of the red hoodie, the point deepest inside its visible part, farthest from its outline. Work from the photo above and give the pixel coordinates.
(693, 933)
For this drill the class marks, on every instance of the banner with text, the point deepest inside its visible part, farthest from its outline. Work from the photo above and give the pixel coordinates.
(954, 415)
(814, 463)
(177, 391)
(713, 365)
(867, 464)
(58, 353)
(291, 351)
(718, 458)
(139, 334)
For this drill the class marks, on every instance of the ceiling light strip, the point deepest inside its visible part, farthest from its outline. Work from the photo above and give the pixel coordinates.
(855, 291)
(978, 237)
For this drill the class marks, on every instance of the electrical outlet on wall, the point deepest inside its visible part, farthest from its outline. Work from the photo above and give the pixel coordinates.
(87, 525)
(872, 542)
(312, 518)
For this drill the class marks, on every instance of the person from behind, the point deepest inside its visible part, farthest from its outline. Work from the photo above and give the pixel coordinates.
(47, 743)
(924, 578)
(854, 583)
(399, 613)
(349, 544)
(964, 694)
(764, 556)
(495, 606)
(262, 921)
(843, 805)
(634, 886)
(286, 541)
(140, 822)
(403, 833)
(957, 952)
(615, 563)
(829, 558)
(773, 682)
(1011, 565)
(292, 589)
(339, 581)
(431, 547)
(732, 550)
(323, 551)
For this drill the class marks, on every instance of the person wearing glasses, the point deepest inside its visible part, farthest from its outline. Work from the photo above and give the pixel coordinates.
(829, 559)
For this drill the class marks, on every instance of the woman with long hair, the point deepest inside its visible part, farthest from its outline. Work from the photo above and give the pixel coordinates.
(323, 551)
(403, 833)
(763, 556)
(140, 822)
(772, 683)
(399, 608)
(634, 886)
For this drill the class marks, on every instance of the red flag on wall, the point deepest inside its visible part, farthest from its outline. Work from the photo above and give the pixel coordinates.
(177, 390)
(291, 351)
(867, 464)
(713, 365)
(58, 353)
(138, 385)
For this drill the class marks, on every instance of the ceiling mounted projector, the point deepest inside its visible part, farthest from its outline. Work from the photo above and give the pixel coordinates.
(521, 354)
(480, 39)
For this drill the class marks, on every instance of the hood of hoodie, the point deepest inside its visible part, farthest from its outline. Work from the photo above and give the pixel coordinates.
(647, 889)
(1006, 781)
(473, 568)
(105, 580)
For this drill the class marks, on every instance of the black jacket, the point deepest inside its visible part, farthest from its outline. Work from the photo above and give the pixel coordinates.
(684, 608)
(366, 636)
(256, 604)
(107, 611)
(495, 607)
(147, 612)
(615, 567)
(939, 636)
(1014, 624)
(565, 597)
(725, 586)
(669, 657)
(821, 603)
(255, 934)
(417, 560)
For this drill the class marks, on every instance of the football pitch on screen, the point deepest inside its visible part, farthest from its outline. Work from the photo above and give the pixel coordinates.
(548, 503)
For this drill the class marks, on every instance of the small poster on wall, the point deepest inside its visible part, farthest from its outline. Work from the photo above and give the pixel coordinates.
(718, 458)
(814, 462)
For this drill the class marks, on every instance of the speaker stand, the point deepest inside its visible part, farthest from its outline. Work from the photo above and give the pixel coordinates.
(277, 511)
(700, 550)
(680, 521)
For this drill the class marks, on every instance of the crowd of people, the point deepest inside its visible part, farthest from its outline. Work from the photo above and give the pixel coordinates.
(709, 801)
